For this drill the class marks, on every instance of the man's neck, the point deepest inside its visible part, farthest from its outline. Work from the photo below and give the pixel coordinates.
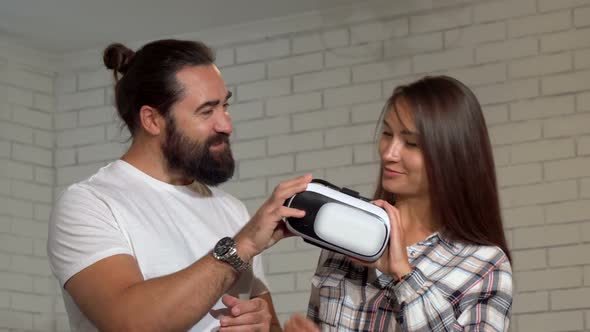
(148, 158)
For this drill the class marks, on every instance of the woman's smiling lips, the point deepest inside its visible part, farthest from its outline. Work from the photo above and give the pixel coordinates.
(390, 172)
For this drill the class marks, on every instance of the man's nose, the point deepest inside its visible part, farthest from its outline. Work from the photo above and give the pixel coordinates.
(223, 123)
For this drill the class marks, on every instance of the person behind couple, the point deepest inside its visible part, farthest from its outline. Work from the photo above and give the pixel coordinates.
(131, 245)
(447, 267)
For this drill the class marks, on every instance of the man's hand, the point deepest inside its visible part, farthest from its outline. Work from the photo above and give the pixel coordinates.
(266, 226)
(246, 315)
(298, 323)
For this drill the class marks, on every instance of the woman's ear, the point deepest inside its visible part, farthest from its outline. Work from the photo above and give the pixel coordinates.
(151, 120)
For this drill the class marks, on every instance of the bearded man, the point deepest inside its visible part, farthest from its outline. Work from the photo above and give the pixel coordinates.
(149, 243)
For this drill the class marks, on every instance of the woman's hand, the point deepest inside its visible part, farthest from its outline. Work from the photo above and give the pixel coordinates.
(394, 260)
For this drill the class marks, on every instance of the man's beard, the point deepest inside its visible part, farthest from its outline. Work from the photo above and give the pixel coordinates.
(194, 159)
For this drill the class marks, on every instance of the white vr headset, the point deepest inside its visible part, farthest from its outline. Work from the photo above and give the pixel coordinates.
(339, 220)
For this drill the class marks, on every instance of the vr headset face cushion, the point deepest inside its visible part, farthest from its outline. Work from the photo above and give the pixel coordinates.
(339, 221)
(351, 228)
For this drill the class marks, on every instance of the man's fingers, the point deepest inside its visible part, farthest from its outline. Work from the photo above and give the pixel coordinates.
(230, 301)
(289, 188)
(303, 179)
(253, 305)
(245, 328)
(251, 318)
(285, 212)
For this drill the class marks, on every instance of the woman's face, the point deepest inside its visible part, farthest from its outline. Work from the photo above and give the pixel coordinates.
(402, 161)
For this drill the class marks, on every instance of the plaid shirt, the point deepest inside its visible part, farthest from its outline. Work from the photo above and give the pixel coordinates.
(453, 287)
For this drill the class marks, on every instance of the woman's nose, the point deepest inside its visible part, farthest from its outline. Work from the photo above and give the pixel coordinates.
(392, 151)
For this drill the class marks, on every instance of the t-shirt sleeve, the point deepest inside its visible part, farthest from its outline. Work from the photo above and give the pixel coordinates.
(259, 282)
(82, 231)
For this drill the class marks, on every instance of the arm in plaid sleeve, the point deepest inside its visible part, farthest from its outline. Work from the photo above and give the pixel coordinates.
(314, 297)
(481, 302)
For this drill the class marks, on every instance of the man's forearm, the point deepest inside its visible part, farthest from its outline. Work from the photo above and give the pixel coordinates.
(170, 303)
(179, 300)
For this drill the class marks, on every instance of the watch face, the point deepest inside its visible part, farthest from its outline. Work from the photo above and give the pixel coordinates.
(223, 246)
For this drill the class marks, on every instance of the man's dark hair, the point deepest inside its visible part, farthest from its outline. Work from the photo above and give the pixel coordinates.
(149, 75)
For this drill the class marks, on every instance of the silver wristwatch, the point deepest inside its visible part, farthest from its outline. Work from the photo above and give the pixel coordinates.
(225, 251)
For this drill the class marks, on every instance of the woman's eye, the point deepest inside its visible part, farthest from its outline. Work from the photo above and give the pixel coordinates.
(412, 144)
(385, 133)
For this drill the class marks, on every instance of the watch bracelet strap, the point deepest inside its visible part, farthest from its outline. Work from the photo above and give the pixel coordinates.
(236, 262)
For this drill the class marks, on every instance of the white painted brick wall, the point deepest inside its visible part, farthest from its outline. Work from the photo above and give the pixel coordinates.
(497, 10)
(453, 58)
(441, 20)
(323, 119)
(244, 73)
(308, 101)
(475, 34)
(380, 30)
(481, 74)
(262, 51)
(515, 48)
(296, 65)
(320, 41)
(582, 59)
(270, 88)
(352, 94)
(294, 103)
(568, 40)
(533, 25)
(319, 80)
(414, 44)
(549, 5)
(27, 179)
(353, 55)
(560, 321)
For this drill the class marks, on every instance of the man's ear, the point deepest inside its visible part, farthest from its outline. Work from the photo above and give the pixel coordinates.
(151, 120)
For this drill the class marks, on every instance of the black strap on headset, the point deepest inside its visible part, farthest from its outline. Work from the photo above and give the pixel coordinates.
(343, 190)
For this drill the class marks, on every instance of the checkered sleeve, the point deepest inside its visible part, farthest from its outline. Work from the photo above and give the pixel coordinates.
(314, 297)
(481, 303)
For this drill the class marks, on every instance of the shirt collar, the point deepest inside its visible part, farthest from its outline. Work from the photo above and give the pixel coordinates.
(435, 238)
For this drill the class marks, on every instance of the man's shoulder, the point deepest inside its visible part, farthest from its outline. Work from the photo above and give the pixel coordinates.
(102, 180)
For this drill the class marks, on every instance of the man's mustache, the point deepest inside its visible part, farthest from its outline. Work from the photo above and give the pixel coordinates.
(217, 139)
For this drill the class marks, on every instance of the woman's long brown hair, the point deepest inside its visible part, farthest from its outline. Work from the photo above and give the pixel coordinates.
(458, 160)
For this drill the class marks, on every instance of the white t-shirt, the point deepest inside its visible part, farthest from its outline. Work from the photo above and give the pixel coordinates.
(121, 210)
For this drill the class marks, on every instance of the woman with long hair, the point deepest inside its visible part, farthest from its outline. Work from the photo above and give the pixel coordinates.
(447, 267)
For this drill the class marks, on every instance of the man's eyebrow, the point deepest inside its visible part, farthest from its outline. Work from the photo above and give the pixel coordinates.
(216, 102)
